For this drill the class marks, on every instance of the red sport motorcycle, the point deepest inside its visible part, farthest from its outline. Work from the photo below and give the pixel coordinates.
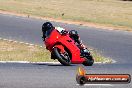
(64, 49)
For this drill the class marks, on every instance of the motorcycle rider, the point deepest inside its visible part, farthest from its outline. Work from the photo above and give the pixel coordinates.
(47, 28)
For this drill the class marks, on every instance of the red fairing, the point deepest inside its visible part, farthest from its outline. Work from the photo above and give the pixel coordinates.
(60, 41)
(51, 40)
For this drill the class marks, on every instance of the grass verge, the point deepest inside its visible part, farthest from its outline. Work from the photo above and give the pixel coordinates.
(113, 13)
(15, 51)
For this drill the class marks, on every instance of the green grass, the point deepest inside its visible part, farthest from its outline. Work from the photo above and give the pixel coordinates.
(12, 51)
(115, 13)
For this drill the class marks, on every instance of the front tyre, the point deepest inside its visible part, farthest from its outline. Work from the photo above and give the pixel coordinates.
(88, 61)
(63, 58)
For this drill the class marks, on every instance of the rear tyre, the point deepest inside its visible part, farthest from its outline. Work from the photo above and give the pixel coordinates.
(63, 58)
(88, 61)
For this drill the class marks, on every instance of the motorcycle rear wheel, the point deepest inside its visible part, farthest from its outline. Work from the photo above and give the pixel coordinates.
(63, 58)
(88, 61)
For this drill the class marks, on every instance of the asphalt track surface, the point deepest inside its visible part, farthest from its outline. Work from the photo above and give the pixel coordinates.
(114, 44)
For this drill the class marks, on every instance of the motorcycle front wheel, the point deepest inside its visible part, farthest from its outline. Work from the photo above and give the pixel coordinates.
(63, 58)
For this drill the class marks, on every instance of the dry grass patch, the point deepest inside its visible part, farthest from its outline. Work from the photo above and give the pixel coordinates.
(12, 51)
